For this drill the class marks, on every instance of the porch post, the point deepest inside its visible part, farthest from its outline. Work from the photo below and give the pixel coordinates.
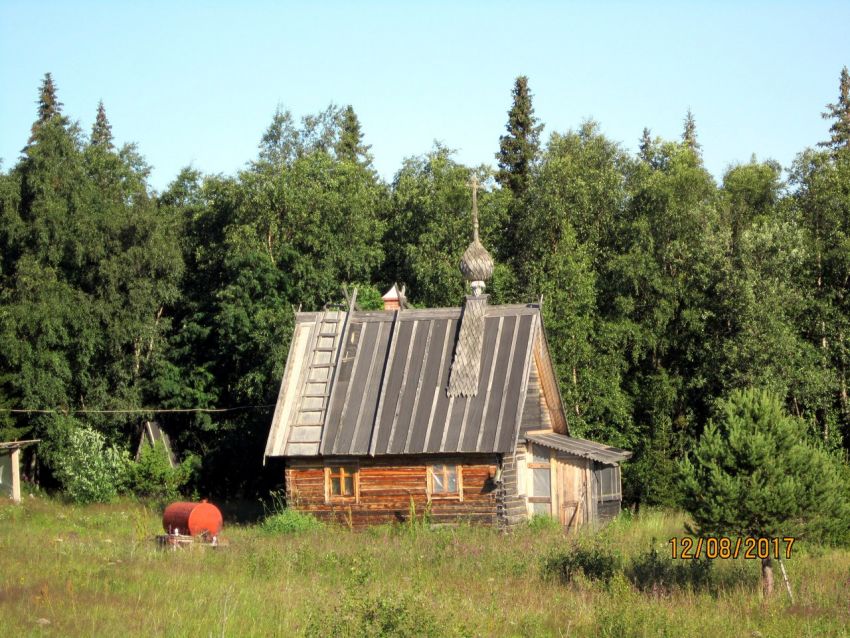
(16, 475)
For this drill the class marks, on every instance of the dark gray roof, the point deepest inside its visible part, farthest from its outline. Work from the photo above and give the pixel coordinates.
(389, 374)
(580, 447)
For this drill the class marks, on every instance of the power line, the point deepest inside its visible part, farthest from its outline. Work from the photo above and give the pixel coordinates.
(133, 411)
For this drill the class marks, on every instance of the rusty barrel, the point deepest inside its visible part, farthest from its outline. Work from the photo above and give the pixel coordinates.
(192, 519)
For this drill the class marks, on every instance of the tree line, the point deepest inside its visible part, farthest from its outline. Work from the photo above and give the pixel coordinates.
(663, 291)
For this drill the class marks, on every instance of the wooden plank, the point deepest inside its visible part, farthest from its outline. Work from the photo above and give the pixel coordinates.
(295, 374)
(489, 359)
(388, 377)
(16, 475)
(523, 386)
(442, 377)
(502, 393)
(359, 417)
(336, 354)
(334, 426)
(549, 384)
(424, 379)
(408, 396)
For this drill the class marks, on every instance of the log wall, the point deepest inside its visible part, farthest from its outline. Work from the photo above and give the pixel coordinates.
(387, 485)
(512, 504)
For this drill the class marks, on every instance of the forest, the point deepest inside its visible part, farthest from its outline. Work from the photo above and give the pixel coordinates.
(663, 290)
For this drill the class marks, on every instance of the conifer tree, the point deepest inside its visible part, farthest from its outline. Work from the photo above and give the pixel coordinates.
(754, 474)
(840, 112)
(689, 134)
(518, 149)
(645, 148)
(101, 132)
(49, 106)
(89, 269)
(350, 145)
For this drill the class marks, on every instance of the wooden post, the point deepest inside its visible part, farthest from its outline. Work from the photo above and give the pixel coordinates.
(575, 511)
(787, 582)
(767, 576)
(16, 475)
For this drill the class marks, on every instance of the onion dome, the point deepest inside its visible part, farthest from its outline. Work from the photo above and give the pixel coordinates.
(476, 265)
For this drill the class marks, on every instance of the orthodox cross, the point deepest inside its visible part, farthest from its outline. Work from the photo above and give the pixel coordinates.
(473, 182)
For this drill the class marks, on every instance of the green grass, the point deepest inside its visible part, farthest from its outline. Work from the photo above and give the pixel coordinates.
(95, 571)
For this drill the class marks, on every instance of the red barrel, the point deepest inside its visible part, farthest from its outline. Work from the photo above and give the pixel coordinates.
(192, 519)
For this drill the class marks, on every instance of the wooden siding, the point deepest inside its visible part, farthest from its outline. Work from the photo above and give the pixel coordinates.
(535, 412)
(386, 486)
(573, 494)
(549, 385)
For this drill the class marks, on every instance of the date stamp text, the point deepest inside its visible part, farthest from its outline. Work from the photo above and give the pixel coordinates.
(747, 547)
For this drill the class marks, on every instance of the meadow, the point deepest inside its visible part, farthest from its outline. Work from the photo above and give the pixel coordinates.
(69, 570)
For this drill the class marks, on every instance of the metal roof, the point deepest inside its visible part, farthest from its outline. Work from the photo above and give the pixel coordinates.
(580, 447)
(375, 382)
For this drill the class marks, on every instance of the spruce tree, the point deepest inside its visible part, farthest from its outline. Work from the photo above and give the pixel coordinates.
(645, 148)
(689, 134)
(49, 106)
(754, 474)
(350, 145)
(518, 149)
(840, 112)
(101, 132)
(89, 272)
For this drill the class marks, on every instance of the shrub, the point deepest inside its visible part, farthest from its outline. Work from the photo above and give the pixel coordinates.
(289, 521)
(652, 572)
(152, 475)
(372, 616)
(595, 562)
(88, 469)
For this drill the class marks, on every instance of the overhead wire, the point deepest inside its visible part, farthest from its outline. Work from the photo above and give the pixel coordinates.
(131, 410)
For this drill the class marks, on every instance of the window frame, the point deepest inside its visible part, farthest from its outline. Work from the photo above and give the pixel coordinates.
(532, 465)
(450, 496)
(351, 467)
(616, 482)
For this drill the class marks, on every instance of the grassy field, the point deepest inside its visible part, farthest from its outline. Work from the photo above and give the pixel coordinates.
(95, 571)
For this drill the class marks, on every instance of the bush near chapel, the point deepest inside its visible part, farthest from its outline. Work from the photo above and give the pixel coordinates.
(152, 476)
(89, 469)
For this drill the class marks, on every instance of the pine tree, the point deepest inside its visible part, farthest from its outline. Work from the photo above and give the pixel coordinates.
(753, 474)
(350, 145)
(48, 106)
(101, 132)
(840, 112)
(518, 149)
(689, 134)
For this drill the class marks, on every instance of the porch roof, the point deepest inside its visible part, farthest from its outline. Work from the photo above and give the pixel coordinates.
(580, 447)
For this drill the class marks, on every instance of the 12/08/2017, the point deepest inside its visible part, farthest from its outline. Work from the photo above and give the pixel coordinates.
(749, 547)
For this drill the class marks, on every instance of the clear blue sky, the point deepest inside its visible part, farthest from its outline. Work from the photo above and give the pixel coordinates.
(198, 83)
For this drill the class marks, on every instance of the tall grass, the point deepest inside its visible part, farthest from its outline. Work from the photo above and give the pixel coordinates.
(95, 571)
